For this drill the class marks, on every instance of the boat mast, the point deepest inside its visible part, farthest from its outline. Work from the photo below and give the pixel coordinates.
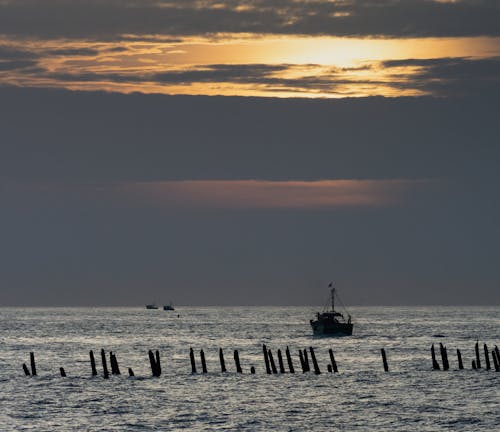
(333, 297)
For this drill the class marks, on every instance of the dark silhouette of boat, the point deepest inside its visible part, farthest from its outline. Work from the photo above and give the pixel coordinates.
(151, 306)
(331, 322)
(169, 307)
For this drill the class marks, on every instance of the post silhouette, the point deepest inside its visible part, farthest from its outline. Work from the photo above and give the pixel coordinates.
(92, 363)
(157, 363)
(435, 364)
(289, 360)
(62, 372)
(33, 364)
(271, 361)
(203, 363)
(25, 369)
(302, 364)
(130, 372)
(237, 362)
(222, 362)
(384, 360)
(280, 362)
(459, 356)
(193, 363)
(105, 371)
(478, 360)
(306, 361)
(266, 358)
(487, 357)
(315, 363)
(332, 359)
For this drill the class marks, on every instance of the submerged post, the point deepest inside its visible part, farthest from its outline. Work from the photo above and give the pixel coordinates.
(459, 356)
(92, 363)
(222, 362)
(315, 363)
(32, 363)
(474, 364)
(252, 370)
(271, 361)
(193, 364)
(104, 364)
(289, 360)
(497, 352)
(444, 357)
(384, 360)
(435, 364)
(478, 360)
(496, 361)
(266, 358)
(280, 362)
(152, 362)
(332, 359)
(25, 369)
(302, 364)
(157, 362)
(62, 372)
(487, 357)
(130, 372)
(237, 361)
(306, 361)
(203, 363)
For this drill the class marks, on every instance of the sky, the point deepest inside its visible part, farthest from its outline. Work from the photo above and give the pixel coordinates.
(249, 153)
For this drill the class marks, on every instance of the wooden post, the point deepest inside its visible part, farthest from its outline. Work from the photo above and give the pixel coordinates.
(25, 369)
(301, 358)
(252, 370)
(266, 358)
(62, 372)
(222, 362)
(384, 360)
(92, 363)
(332, 359)
(315, 363)
(280, 362)
(115, 370)
(495, 361)
(271, 361)
(203, 363)
(497, 352)
(104, 364)
(33, 364)
(435, 364)
(487, 357)
(306, 361)
(444, 357)
(130, 372)
(289, 360)
(329, 367)
(474, 364)
(193, 364)
(152, 362)
(459, 356)
(237, 361)
(157, 363)
(478, 360)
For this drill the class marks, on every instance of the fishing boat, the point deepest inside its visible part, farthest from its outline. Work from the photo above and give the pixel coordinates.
(151, 306)
(331, 322)
(169, 307)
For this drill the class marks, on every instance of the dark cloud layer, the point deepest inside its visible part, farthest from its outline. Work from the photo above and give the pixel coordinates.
(111, 18)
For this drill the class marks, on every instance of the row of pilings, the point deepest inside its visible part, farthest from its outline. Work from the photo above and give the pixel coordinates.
(283, 364)
(475, 363)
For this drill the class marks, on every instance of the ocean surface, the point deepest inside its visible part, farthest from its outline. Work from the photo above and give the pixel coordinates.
(361, 397)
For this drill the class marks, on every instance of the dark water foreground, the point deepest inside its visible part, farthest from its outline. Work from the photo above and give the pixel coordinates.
(410, 397)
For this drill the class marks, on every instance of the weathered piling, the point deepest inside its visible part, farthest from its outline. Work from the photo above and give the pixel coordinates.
(435, 364)
(306, 361)
(289, 361)
(222, 362)
(459, 357)
(252, 370)
(32, 364)
(280, 362)
(496, 360)
(332, 359)
(237, 362)
(115, 370)
(474, 366)
(92, 363)
(315, 363)
(302, 364)
(105, 371)
(130, 372)
(478, 359)
(271, 362)
(62, 372)
(497, 352)
(487, 357)
(444, 357)
(193, 363)
(329, 368)
(25, 369)
(384, 359)
(154, 367)
(203, 363)
(266, 358)
(157, 362)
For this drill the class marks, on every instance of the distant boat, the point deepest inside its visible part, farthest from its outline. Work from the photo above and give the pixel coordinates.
(331, 322)
(169, 307)
(151, 306)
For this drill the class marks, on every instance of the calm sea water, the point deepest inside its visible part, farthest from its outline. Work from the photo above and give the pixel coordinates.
(361, 397)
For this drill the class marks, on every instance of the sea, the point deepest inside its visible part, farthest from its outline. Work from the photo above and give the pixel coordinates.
(360, 397)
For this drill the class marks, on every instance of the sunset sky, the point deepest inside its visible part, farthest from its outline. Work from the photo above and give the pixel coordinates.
(248, 152)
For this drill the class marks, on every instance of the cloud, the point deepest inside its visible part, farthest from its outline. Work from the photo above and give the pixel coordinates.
(111, 19)
(271, 194)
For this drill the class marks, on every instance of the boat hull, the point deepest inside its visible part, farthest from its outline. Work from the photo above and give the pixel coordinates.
(321, 328)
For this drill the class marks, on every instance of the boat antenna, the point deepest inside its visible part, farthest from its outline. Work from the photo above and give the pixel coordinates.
(330, 285)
